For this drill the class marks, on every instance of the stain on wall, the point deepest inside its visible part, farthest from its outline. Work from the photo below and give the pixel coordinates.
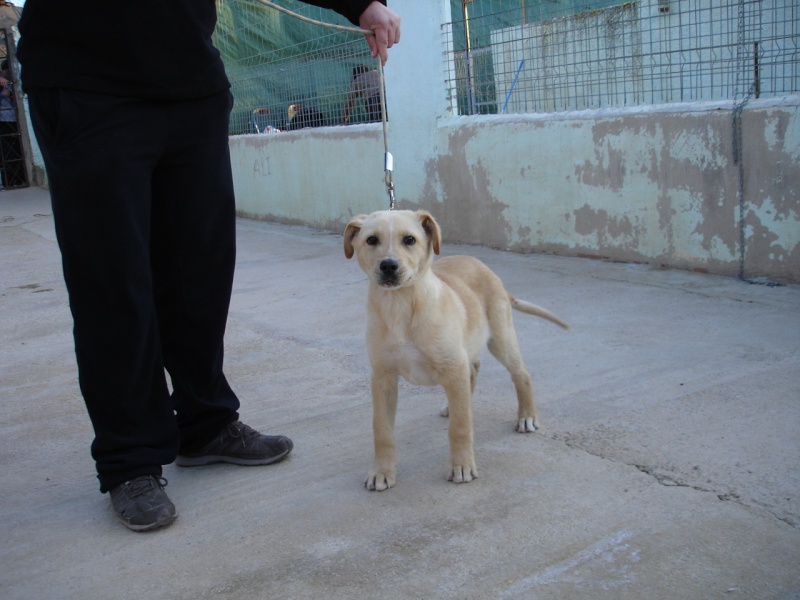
(458, 190)
(771, 199)
(659, 187)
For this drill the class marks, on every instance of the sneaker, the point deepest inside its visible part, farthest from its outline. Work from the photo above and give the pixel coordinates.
(239, 444)
(142, 504)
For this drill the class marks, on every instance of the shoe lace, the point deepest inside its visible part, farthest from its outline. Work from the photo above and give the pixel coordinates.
(244, 432)
(142, 485)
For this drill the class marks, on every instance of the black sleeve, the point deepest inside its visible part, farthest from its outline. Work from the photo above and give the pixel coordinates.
(350, 9)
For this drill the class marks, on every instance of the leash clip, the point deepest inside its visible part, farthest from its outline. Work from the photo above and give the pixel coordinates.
(389, 178)
(390, 191)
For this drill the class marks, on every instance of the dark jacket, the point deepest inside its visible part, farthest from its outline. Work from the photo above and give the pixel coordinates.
(144, 48)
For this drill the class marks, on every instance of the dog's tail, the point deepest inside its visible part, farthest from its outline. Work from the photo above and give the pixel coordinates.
(538, 311)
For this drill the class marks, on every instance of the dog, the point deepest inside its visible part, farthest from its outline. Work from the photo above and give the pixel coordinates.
(428, 322)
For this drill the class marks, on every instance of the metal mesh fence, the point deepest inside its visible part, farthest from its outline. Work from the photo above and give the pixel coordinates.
(518, 56)
(287, 74)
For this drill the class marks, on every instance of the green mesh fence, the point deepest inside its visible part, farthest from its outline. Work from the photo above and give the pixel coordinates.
(275, 62)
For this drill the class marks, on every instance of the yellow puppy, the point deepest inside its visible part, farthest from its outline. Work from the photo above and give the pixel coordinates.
(428, 322)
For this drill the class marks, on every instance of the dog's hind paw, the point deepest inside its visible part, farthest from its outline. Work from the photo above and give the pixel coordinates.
(463, 474)
(445, 411)
(527, 425)
(377, 482)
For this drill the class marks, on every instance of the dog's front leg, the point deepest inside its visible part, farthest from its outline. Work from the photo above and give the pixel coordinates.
(459, 400)
(384, 408)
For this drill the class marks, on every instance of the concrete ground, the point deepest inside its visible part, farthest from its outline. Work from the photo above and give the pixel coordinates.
(667, 466)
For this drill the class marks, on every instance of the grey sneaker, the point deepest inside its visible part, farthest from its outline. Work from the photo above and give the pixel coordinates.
(239, 444)
(142, 504)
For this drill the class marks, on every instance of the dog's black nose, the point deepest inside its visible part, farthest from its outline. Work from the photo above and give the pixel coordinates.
(389, 266)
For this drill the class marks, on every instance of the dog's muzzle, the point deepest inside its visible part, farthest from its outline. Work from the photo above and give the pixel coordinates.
(389, 272)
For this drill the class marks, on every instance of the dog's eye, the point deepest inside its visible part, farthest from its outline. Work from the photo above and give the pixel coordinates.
(409, 240)
(372, 240)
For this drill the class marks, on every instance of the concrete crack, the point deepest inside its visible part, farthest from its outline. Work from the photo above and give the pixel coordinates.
(667, 481)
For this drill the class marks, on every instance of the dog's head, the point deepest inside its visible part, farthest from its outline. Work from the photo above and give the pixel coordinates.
(393, 246)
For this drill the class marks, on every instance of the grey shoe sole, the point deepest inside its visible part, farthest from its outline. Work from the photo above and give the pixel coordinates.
(209, 459)
(160, 524)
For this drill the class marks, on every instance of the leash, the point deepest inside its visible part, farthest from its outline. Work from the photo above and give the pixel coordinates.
(388, 160)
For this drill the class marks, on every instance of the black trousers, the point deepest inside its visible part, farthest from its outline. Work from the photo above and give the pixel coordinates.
(144, 212)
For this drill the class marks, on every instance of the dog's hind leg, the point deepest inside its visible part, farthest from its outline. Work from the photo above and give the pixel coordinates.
(384, 408)
(473, 374)
(504, 346)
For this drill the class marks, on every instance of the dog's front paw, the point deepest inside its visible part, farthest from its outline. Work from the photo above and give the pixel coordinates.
(461, 474)
(377, 482)
(527, 425)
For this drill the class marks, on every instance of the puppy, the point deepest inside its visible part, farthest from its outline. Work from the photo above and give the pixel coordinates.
(428, 323)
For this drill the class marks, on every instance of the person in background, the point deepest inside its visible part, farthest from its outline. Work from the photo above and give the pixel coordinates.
(135, 145)
(12, 166)
(366, 85)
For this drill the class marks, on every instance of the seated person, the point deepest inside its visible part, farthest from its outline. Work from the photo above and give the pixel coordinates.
(366, 85)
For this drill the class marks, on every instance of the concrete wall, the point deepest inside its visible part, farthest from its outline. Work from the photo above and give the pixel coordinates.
(657, 185)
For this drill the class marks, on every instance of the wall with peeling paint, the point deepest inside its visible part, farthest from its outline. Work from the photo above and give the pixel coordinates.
(656, 185)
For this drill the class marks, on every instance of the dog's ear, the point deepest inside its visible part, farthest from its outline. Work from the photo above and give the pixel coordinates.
(431, 228)
(351, 231)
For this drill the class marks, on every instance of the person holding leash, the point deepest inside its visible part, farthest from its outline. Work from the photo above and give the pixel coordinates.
(130, 106)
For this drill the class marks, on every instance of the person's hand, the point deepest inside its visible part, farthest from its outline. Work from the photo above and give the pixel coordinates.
(386, 25)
